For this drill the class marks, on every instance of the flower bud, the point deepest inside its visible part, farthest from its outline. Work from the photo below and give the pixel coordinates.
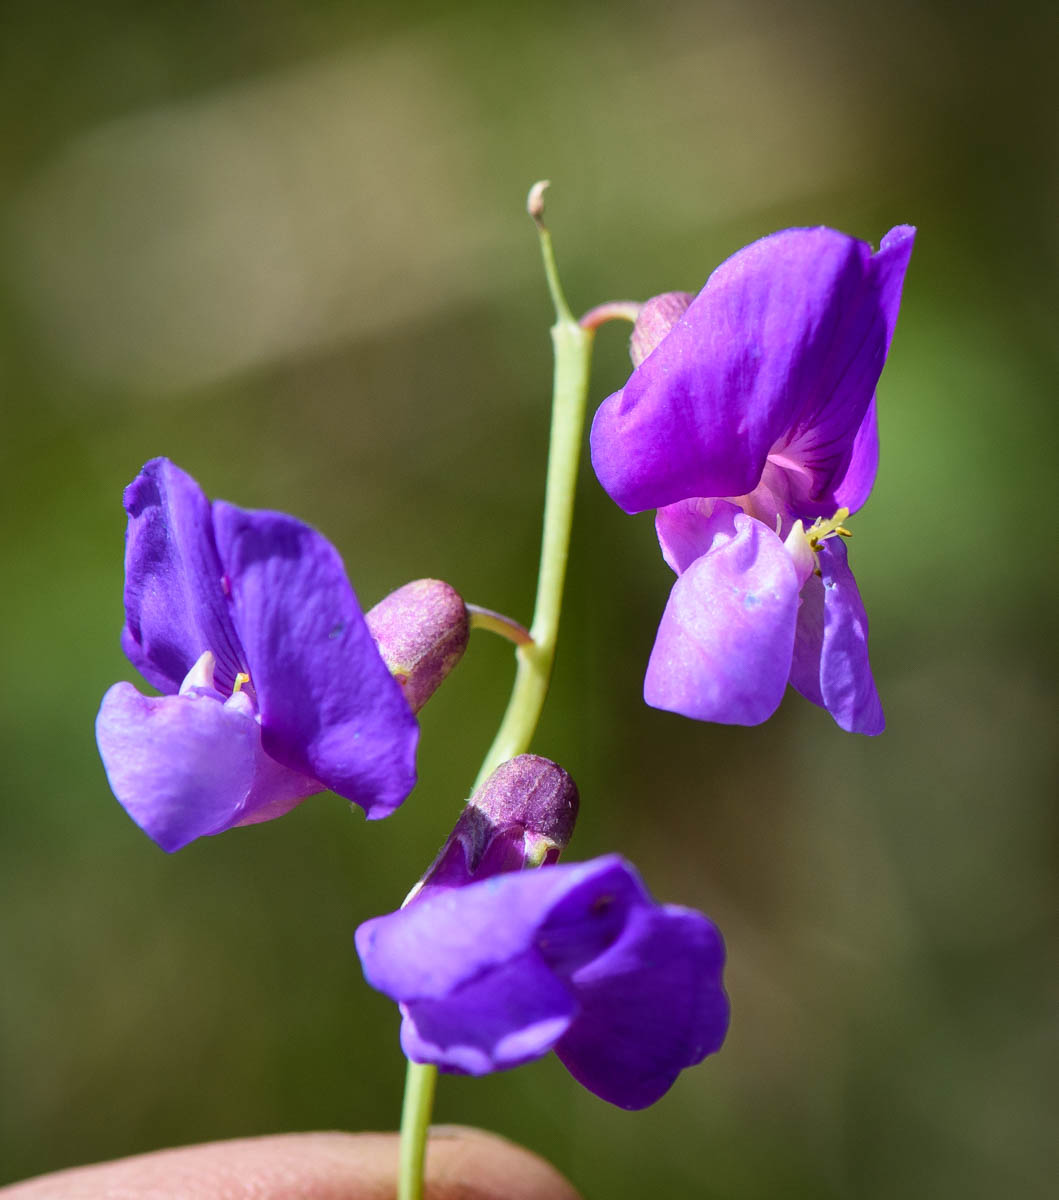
(657, 317)
(421, 631)
(521, 817)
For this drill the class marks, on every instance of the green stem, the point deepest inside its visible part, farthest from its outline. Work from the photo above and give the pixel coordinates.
(573, 349)
(572, 345)
(420, 1081)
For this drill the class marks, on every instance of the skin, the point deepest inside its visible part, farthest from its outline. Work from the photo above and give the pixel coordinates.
(462, 1164)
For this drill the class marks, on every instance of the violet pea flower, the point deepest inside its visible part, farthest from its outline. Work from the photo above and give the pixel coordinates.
(576, 958)
(273, 687)
(749, 423)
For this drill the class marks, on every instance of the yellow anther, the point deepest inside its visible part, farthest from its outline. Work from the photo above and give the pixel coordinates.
(821, 530)
(240, 679)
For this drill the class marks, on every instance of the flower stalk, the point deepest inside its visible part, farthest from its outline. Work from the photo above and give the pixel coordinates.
(572, 347)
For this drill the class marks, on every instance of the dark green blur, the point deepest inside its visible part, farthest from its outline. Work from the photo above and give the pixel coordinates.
(284, 244)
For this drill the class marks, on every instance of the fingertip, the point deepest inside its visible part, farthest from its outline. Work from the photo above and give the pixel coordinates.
(462, 1164)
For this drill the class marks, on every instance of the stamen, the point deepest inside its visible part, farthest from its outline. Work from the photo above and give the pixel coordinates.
(240, 679)
(821, 530)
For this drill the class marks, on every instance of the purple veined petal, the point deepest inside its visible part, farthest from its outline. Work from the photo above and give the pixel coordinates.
(724, 644)
(507, 1016)
(441, 942)
(853, 490)
(691, 528)
(762, 346)
(651, 1005)
(830, 663)
(822, 442)
(181, 766)
(329, 707)
(175, 605)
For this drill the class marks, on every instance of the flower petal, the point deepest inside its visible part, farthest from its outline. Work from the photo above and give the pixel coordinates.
(175, 606)
(181, 766)
(512, 1014)
(831, 413)
(691, 528)
(495, 973)
(443, 941)
(329, 707)
(788, 330)
(651, 1005)
(723, 649)
(854, 488)
(830, 663)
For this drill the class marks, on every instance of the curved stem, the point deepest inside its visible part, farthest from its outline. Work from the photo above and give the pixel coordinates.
(615, 310)
(572, 345)
(506, 627)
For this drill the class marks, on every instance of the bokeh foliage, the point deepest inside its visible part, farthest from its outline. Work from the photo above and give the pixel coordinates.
(283, 244)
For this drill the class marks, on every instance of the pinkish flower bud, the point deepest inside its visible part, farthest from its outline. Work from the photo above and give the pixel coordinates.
(421, 631)
(521, 817)
(657, 317)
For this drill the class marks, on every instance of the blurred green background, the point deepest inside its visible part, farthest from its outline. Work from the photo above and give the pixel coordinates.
(284, 244)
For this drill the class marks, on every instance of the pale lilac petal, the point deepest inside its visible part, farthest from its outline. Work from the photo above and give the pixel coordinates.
(774, 331)
(651, 1005)
(181, 766)
(723, 649)
(513, 1013)
(691, 528)
(329, 707)
(175, 605)
(830, 662)
(275, 791)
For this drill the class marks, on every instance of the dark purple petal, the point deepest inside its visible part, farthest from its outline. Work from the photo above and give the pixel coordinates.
(175, 604)
(779, 353)
(723, 649)
(329, 707)
(449, 938)
(497, 972)
(651, 1005)
(854, 488)
(181, 766)
(513, 1013)
(830, 663)
(699, 416)
(831, 414)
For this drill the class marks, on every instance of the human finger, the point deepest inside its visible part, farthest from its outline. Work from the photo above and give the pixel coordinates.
(462, 1164)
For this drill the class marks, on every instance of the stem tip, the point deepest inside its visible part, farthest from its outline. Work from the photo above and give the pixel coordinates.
(535, 201)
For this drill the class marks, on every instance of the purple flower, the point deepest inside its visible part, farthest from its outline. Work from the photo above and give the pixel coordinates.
(274, 688)
(749, 423)
(577, 959)
(494, 964)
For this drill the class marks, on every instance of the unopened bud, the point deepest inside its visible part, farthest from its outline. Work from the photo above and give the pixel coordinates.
(421, 631)
(521, 817)
(657, 317)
